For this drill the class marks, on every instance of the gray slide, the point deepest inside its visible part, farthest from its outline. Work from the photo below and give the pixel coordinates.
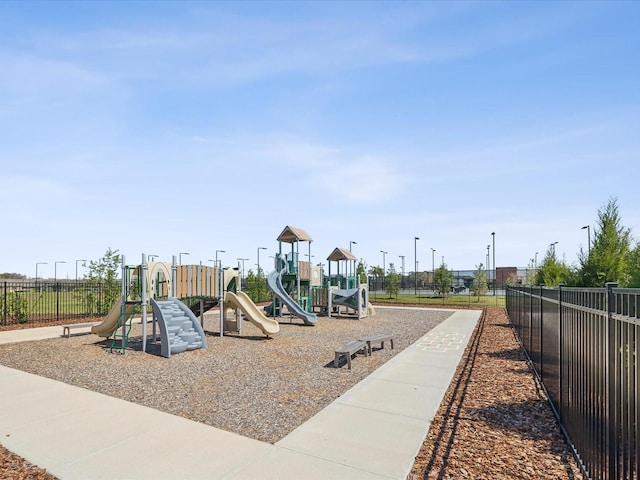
(274, 280)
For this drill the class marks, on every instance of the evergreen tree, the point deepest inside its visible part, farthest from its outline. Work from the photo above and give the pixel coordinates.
(609, 257)
(553, 272)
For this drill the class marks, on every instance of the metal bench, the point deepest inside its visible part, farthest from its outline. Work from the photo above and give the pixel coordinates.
(377, 338)
(66, 329)
(348, 350)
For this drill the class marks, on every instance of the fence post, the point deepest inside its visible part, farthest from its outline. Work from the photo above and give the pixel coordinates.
(612, 382)
(4, 304)
(560, 356)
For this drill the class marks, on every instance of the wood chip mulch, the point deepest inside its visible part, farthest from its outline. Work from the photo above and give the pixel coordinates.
(494, 422)
(15, 467)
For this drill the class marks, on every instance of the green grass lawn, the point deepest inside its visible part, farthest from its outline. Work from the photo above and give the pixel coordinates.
(462, 301)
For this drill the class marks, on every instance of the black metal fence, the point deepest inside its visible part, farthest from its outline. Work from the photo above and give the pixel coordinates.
(49, 302)
(583, 344)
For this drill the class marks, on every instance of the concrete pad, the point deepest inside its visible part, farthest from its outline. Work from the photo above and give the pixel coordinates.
(396, 398)
(174, 448)
(376, 442)
(283, 464)
(415, 373)
(30, 334)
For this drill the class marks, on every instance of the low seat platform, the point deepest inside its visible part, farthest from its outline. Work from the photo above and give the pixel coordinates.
(383, 337)
(66, 329)
(348, 350)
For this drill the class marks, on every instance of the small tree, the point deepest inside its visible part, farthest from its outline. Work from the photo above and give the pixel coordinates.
(552, 272)
(392, 283)
(361, 271)
(479, 286)
(103, 275)
(376, 272)
(442, 279)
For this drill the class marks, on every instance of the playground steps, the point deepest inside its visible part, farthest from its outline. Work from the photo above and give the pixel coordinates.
(179, 329)
(117, 333)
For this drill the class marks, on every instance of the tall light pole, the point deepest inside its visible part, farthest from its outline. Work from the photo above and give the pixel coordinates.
(39, 263)
(81, 260)
(151, 257)
(180, 257)
(55, 269)
(495, 270)
(535, 261)
(353, 267)
(219, 251)
(415, 265)
(588, 227)
(259, 280)
(553, 247)
(402, 267)
(433, 266)
(260, 248)
(242, 260)
(488, 267)
(384, 267)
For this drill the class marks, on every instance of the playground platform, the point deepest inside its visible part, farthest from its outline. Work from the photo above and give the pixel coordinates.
(373, 431)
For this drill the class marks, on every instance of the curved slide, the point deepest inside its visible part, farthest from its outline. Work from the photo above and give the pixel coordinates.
(110, 322)
(241, 300)
(274, 280)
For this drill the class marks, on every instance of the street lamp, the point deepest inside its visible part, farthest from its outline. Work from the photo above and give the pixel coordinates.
(553, 247)
(260, 248)
(415, 265)
(433, 266)
(55, 269)
(39, 263)
(221, 251)
(353, 267)
(402, 267)
(488, 267)
(180, 257)
(535, 261)
(588, 227)
(259, 280)
(151, 257)
(81, 260)
(384, 267)
(242, 260)
(495, 270)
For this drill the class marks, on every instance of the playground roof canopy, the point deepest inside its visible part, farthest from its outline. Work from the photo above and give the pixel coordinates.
(341, 254)
(293, 234)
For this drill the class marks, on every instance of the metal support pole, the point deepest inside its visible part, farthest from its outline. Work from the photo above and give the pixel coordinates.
(143, 274)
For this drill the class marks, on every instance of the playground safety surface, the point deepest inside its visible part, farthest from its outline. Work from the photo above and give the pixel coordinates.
(371, 430)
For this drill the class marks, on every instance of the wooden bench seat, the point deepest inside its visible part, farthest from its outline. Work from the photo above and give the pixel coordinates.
(349, 349)
(383, 337)
(66, 329)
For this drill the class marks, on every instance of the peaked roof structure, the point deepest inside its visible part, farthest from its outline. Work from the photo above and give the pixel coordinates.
(293, 234)
(341, 254)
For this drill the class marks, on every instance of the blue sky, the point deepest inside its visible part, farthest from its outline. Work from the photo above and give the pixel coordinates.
(167, 127)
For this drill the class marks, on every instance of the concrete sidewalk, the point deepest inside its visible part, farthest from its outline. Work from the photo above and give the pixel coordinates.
(373, 431)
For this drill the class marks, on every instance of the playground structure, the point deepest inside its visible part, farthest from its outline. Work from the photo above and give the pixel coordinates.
(291, 281)
(301, 287)
(176, 294)
(346, 290)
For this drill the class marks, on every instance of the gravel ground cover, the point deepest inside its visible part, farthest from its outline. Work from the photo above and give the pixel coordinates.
(257, 387)
(494, 422)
